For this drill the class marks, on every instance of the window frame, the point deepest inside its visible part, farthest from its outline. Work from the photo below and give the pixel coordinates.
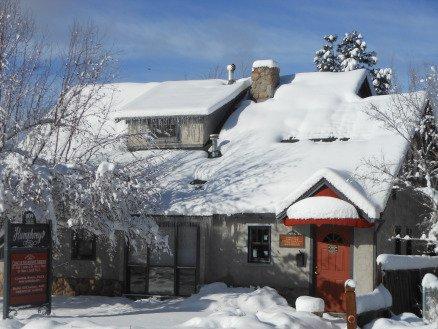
(250, 259)
(78, 237)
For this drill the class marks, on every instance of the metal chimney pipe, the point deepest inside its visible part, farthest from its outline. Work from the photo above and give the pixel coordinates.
(215, 152)
(231, 68)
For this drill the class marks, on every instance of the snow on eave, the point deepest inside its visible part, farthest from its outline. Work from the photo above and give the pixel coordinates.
(344, 185)
(196, 102)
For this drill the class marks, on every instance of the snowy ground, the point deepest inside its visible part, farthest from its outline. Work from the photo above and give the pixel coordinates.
(214, 307)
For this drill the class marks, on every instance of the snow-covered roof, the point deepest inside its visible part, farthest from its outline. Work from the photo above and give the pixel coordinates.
(257, 172)
(322, 207)
(187, 97)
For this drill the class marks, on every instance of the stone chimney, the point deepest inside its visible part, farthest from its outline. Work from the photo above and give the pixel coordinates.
(265, 78)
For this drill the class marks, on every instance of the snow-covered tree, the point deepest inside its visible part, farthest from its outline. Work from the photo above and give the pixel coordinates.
(53, 115)
(351, 54)
(413, 116)
(325, 59)
(382, 80)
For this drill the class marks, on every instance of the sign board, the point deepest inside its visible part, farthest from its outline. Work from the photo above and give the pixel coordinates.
(27, 276)
(292, 241)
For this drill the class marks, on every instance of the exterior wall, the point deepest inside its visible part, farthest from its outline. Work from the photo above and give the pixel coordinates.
(191, 131)
(228, 256)
(106, 275)
(364, 259)
(405, 210)
(103, 276)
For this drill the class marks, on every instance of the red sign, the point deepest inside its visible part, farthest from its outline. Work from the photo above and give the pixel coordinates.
(28, 280)
(291, 241)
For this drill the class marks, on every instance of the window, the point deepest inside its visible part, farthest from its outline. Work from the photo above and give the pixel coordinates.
(333, 238)
(83, 245)
(259, 244)
(164, 128)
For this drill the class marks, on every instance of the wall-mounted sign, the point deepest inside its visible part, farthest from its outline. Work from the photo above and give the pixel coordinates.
(27, 276)
(292, 241)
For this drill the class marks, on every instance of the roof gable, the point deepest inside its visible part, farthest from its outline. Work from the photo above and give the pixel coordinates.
(343, 186)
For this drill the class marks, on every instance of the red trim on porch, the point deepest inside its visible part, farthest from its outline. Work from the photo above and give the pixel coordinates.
(352, 222)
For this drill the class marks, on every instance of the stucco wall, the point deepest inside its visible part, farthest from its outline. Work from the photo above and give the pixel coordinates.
(228, 256)
(364, 259)
(109, 262)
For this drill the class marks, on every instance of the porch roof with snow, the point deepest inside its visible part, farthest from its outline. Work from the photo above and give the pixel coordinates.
(258, 173)
(181, 98)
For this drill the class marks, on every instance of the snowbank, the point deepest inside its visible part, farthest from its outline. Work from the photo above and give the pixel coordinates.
(264, 63)
(429, 281)
(402, 321)
(187, 97)
(322, 207)
(260, 308)
(379, 299)
(406, 262)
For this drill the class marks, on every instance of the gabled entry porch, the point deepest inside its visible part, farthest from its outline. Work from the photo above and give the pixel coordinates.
(336, 225)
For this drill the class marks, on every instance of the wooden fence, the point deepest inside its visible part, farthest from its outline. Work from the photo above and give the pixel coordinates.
(405, 288)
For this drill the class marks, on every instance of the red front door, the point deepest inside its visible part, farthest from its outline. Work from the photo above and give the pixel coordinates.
(332, 265)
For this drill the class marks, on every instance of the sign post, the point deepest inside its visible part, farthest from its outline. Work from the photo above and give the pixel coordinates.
(28, 268)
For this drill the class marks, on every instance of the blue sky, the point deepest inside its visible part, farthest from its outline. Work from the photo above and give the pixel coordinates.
(162, 40)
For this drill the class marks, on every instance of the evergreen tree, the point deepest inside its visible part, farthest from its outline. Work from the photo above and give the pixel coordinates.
(353, 54)
(382, 80)
(325, 58)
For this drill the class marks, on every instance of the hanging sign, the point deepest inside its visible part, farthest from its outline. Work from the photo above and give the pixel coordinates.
(292, 241)
(27, 276)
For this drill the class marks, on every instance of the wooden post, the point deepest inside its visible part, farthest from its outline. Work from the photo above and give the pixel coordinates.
(350, 304)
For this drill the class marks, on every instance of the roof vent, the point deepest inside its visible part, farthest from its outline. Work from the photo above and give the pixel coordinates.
(231, 68)
(215, 152)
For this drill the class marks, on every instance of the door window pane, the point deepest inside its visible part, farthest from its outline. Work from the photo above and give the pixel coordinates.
(161, 280)
(164, 258)
(187, 245)
(186, 281)
(137, 280)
